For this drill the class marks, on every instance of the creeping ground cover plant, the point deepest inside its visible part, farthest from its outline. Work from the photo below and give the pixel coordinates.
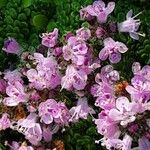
(81, 64)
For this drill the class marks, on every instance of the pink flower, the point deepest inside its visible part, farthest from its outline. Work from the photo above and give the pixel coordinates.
(74, 78)
(140, 83)
(47, 134)
(108, 74)
(57, 51)
(16, 146)
(104, 88)
(47, 110)
(50, 39)
(25, 148)
(3, 85)
(136, 67)
(4, 122)
(37, 79)
(82, 110)
(140, 89)
(85, 15)
(16, 94)
(13, 76)
(100, 32)
(138, 70)
(125, 111)
(131, 25)
(68, 35)
(50, 111)
(144, 144)
(46, 73)
(112, 50)
(29, 128)
(106, 127)
(105, 95)
(75, 50)
(124, 144)
(83, 33)
(99, 10)
(11, 46)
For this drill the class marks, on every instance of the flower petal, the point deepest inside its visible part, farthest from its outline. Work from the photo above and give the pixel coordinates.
(115, 57)
(10, 101)
(110, 7)
(129, 14)
(144, 144)
(134, 36)
(103, 55)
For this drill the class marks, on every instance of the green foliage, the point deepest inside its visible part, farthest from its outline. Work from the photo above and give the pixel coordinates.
(24, 20)
(81, 135)
(27, 3)
(138, 50)
(3, 3)
(67, 16)
(40, 21)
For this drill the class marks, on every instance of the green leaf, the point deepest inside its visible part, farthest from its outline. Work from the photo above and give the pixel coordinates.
(85, 25)
(22, 17)
(146, 42)
(40, 21)
(27, 3)
(16, 30)
(68, 146)
(51, 25)
(27, 11)
(77, 136)
(1, 147)
(13, 13)
(120, 16)
(17, 23)
(147, 48)
(2, 3)
(23, 25)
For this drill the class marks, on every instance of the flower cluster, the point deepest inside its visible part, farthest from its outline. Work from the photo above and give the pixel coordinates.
(46, 73)
(125, 116)
(34, 96)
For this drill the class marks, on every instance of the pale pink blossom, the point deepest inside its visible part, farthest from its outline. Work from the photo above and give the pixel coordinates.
(13, 76)
(107, 128)
(29, 128)
(100, 32)
(50, 39)
(3, 85)
(131, 25)
(47, 134)
(74, 78)
(100, 10)
(112, 50)
(140, 89)
(82, 110)
(4, 122)
(75, 50)
(83, 33)
(46, 73)
(125, 111)
(124, 144)
(85, 15)
(11, 46)
(16, 146)
(144, 144)
(16, 94)
(50, 111)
